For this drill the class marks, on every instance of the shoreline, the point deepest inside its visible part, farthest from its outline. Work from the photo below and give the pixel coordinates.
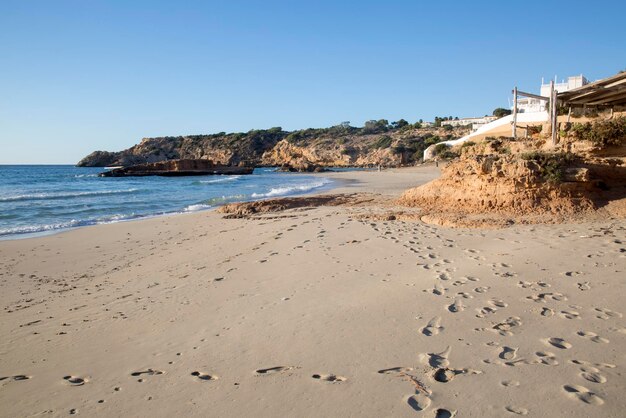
(39, 234)
(345, 182)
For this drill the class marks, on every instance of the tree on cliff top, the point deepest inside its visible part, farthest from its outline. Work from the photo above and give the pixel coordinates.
(375, 126)
(501, 112)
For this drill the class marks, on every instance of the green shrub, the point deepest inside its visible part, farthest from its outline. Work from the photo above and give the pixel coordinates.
(551, 165)
(444, 151)
(501, 112)
(431, 139)
(400, 149)
(602, 133)
(448, 155)
(383, 142)
(468, 144)
(440, 148)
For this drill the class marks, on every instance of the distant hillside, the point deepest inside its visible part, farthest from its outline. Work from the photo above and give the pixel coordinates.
(378, 142)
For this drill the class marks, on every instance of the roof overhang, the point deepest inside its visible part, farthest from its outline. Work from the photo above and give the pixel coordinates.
(606, 92)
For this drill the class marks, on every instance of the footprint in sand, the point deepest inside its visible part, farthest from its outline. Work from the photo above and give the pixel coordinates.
(433, 327)
(508, 353)
(329, 378)
(444, 375)
(592, 374)
(16, 378)
(604, 313)
(437, 360)
(518, 362)
(482, 289)
(533, 285)
(444, 413)
(590, 364)
(558, 343)
(544, 297)
(584, 286)
(593, 337)
(393, 370)
(272, 370)
(419, 402)
(203, 376)
(464, 295)
(487, 310)
(547, 312)
(583, 394)
(505, 327)
(569, 314)
(497, 303)
(457, 306)
(547, 358)
(75, 380)
(516, 410)
(459, 282)
(439, 290)
(148, 372)
(510, 383)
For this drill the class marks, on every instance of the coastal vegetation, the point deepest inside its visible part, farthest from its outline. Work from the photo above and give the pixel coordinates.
(602, 133)
(445, 152)
(501, 112)
(551, 166)
(377, 142)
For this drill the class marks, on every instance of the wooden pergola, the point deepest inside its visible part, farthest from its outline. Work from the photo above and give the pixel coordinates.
(607, 93)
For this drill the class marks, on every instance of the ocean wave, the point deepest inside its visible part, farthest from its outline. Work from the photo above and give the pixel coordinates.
(215, 201)
(287, 190)
(80, 176)
(50, 196)
(73, 223)
(220, 179)
(197, 207)
(31, 229)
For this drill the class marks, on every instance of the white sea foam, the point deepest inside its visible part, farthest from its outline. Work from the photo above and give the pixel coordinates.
(295, 189)
(220, 179)
(47, 196)
(29, 229)
(73, 223)
(197, 207)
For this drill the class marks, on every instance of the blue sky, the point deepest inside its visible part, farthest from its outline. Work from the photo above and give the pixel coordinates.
(76, 76)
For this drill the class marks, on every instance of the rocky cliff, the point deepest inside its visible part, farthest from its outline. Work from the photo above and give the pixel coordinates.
(529, 179)
(304, 150)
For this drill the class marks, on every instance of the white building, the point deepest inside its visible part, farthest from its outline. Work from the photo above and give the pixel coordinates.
(474, 122)
(529, 104)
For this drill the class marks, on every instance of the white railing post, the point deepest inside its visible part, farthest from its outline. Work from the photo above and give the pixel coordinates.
(514, 133)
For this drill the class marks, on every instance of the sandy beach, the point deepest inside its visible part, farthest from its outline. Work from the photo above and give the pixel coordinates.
(315, 312)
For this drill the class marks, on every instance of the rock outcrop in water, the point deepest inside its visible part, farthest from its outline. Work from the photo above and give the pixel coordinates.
(305, 150)
(177, 168)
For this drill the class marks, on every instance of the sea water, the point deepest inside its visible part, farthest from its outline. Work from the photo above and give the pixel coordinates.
(39, 199)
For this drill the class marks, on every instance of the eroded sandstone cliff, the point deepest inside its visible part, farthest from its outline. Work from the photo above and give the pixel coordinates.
(527, 180)
(304, 150)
